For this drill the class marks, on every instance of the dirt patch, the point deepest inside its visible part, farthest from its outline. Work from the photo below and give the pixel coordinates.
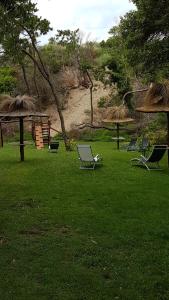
(78, 106)
(3, 240)
(25, 204)
(64, 230)
(33, 232)
(61, 231)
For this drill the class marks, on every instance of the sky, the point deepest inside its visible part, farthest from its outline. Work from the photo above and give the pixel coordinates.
(94, 18)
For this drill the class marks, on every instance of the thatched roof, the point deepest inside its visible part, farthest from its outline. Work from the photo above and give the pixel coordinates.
(21, 106)
(18, 104)
(156, 99)
(117, 114)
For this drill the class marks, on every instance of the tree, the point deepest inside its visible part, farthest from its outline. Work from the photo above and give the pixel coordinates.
(20, 28)
(114, 59)
(71, 41)
(145, 34)
(78, 55)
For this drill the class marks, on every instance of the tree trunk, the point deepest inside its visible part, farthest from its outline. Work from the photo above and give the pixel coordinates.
(25, 79)
(34, 80)
(42, 69)
(91, 98)
(1, 136)
(91, 104)
(66, 139)
(168, 135)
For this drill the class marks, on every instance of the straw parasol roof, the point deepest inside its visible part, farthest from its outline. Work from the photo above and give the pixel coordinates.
(156, 99)
(117, 115)
(19, 107)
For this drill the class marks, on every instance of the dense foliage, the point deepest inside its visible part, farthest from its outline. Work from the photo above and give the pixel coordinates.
(117, 62)
(7, 80)
(19, 27)
(145, 35)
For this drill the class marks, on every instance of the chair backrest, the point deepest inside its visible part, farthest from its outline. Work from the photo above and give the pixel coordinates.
(132, 144)
(157, 153)
(54, 145)
(85, 153)
(144, 144)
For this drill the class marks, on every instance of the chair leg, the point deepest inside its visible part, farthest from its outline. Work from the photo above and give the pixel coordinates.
(147, 167)
(83, 166)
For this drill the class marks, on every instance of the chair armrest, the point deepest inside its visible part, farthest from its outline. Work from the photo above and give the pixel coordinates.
(97, 157)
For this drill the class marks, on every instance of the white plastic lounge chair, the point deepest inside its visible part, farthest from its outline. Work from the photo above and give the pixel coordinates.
(154, 158)
(86, 157)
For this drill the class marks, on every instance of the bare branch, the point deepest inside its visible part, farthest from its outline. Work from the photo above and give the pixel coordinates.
(133, 92)
(54, 129)
(97, 127)
(82, 126)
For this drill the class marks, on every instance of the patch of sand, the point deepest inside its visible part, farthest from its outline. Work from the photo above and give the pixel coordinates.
(78, 107)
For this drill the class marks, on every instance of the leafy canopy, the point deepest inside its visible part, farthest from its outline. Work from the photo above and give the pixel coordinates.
(145, 33)
(20, 26)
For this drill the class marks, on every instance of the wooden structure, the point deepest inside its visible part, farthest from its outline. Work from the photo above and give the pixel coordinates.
(19, 108)
(38, 137)
(42, 134)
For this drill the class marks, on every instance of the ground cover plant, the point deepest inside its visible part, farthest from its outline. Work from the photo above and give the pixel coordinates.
(70, 234)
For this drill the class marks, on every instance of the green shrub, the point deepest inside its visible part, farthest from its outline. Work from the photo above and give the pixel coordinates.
(156, 131)
(157, 137)
(102, 102)
(7, 80)
(96, 135)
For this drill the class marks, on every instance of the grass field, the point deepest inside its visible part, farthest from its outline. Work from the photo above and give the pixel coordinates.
(71, 234)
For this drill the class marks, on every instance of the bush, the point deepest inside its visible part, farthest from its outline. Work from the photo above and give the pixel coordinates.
(156, 131)
(7, 80)
(90, 135)
(96, 135)
(102, 102)
(74, 134)
(157, 137)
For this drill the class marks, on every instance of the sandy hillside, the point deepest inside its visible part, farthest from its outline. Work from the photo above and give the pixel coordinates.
(78, 107)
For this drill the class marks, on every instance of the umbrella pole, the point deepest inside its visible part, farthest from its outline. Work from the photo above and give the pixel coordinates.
(21, 139)
(168, 135)
(118, 136)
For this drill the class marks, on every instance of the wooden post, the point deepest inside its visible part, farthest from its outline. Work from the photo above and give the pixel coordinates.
(168, 135)
(33, 130)
(118, 142)
(49, 138)
(21, 139)
(1, 136)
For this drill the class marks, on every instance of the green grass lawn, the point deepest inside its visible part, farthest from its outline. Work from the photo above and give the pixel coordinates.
(71, 234)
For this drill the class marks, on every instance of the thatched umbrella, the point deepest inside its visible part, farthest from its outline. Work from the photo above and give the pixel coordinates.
(157, 100)
(19, 108)
(117, 115)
